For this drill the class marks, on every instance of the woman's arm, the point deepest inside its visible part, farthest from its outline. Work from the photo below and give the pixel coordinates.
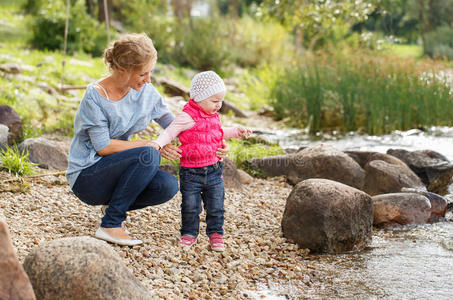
(116, 146)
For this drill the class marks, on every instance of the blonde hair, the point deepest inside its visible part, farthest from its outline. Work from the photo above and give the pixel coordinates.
(130, 52)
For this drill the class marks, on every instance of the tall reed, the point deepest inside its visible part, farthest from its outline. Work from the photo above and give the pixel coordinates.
(363, 91)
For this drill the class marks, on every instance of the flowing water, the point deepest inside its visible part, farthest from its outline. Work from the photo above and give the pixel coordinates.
(411, 262)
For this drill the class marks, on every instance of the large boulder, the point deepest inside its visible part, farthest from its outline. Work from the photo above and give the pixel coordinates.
(46, 153)
(14, 283)
(81, 268)
(328, 216)
(324, 161)
(231, 176)
(383, 178)
(276, 165)
(364, 157)
(434, 169)
(401, 209)
(10, 118)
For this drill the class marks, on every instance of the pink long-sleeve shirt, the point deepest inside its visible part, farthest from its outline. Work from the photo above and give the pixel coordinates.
(183, 122)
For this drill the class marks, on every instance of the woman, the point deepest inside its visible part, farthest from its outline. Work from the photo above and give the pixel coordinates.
(105, 167)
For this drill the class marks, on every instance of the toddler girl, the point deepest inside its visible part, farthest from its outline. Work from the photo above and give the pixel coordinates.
(200, 133)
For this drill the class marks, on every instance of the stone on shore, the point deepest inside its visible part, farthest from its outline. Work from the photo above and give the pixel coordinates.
(47, 153)
(14, 283)
(328, 216)
(81, 268)
(324, 161)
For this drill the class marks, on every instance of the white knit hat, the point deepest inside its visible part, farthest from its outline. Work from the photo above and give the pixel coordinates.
(205, 85)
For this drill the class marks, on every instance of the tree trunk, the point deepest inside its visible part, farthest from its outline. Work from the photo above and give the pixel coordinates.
(101, 14)
(90, 7)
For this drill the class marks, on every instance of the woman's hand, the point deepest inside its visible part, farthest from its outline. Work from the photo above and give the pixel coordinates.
(170, 152)
(222, 152)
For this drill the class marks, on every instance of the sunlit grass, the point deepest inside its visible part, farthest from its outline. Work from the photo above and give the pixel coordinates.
(16, 162)
(364, 91)
(415, 51)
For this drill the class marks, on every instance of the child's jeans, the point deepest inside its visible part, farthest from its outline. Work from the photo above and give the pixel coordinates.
(205, 184)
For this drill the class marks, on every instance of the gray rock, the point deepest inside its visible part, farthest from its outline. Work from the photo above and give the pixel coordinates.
(324, 161)
(47, 153)
(434, 169)
(10, 118)
(271, 165)
(231, 175)
(364, 157)
(14, 282)
(244, 177)
(328, 216)
(10, 68)
(81, 268)
(438, 203)
(383, 178)
(4, 133)
(401, 208)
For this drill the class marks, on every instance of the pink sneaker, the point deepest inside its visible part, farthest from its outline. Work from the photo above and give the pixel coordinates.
(187, 240)
(216, 241)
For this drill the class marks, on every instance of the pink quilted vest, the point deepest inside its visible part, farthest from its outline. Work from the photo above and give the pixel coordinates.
(200, 143)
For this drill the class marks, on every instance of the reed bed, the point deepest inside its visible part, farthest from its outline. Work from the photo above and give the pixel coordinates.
(363, 91)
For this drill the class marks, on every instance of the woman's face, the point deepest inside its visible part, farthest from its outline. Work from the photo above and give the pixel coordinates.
(138, 77)
(212, 104)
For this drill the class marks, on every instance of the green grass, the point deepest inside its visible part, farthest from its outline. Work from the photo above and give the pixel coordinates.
(415, 51)
(243, 150)
(363, 91)
(16, 162)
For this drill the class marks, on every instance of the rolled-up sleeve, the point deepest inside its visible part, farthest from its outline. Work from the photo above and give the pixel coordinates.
(161, 114)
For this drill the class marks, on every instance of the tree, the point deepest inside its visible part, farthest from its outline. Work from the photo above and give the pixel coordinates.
(315, 20)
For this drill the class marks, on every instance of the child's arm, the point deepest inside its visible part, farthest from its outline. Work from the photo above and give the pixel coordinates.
(236, 132)
(181, 122)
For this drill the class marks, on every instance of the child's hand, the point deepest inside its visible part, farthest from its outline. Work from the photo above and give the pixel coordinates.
(244, 132)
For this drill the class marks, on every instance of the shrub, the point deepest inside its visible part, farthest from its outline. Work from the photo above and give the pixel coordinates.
(84, 33)
(255, 43)
(16, 162)
(439, 43)
(202, 44)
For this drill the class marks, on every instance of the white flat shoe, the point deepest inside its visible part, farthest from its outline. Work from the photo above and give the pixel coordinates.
(104, 207)
(103, 235)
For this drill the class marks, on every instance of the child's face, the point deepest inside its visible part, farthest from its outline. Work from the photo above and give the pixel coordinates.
(212, 104)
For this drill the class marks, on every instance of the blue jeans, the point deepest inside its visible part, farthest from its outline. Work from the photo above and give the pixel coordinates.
(125, 181)
(199, 184)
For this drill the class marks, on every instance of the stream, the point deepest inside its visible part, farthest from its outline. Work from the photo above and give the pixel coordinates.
(409, 262)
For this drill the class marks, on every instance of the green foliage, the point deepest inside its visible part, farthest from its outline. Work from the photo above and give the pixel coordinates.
(364, 92)
(314, 22)
(254, 43)
(84, 32)
(16, 161)
(243, 150)
(202, 44)
(439, 43)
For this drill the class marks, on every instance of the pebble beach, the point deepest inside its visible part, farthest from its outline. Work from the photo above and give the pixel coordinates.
(259, 263)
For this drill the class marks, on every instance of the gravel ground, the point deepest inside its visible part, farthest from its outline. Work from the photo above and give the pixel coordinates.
(258, 263)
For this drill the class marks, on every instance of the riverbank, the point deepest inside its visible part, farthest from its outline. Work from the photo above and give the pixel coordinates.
(258, 260)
